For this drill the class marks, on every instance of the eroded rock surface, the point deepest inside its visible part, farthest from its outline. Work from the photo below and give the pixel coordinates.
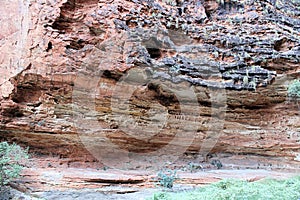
(84, 78)
(74, 183)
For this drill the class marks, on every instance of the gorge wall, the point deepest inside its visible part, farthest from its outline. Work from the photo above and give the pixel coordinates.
(101, 80)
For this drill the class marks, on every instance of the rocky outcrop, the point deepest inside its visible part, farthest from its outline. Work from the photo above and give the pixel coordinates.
(118, 81)
(120, 184)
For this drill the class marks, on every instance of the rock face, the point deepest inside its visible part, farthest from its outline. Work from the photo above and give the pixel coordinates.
(124, 82)
(69, 183)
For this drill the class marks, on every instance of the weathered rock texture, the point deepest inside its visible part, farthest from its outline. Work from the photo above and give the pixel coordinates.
(71, 181)
(200, 70)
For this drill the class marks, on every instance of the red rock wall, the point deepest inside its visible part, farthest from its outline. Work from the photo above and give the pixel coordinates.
(64, 68)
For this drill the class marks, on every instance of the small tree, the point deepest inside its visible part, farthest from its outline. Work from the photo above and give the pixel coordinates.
(12, 160)
(166, 178)
(294, 89)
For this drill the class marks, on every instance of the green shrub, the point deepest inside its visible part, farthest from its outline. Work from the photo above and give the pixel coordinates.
(12, 160)
(239, 190)
(294, 89)
(161, 196)
(166, 178)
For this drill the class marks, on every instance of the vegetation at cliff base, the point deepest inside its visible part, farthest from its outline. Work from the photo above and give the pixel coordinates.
(12, 159)
(166, 178)
(294, 89)
(240, 190)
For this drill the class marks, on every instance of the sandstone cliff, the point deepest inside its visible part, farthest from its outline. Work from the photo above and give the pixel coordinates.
(125, 81)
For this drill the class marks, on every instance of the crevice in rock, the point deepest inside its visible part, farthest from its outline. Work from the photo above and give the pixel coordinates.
(281, 45)
(27, 88)
(26, 94)
(166, 98)
(77, 44)
(112, 74)
(49, 46)
(114, 181)
(154, 53)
